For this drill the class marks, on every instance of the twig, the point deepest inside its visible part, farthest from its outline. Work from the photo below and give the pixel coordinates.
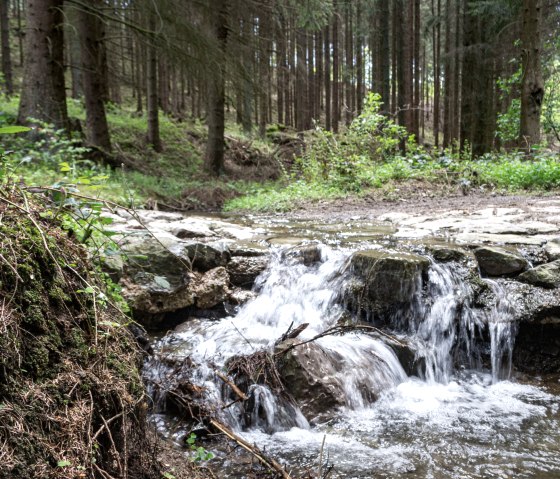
(341, 330)
(255, 451)
(320, 469)
(232, 385)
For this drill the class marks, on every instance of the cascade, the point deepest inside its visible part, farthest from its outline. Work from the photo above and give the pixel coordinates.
(450, 337)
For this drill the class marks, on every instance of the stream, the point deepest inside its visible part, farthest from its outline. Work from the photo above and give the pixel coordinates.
(461, 412)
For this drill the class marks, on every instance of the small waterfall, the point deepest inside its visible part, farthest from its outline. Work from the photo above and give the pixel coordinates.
(442, 326)
(447, 329)
(502, 333)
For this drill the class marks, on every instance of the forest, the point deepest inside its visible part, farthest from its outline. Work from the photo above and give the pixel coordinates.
(276, 238)
(427, 82)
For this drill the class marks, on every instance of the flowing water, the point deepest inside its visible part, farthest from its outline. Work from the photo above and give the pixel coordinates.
(461, 415)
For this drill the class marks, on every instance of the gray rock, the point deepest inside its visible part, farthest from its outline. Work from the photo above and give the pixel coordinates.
(384, 281)
(309, 374)
(308, 254)
(248, 248)
(212, 288)
(495, 261)
(150, 296)
(552, 249)
(446, 253)
(546, 275)
(244, 270)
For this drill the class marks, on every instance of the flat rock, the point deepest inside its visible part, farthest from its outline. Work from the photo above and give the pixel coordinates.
(495, 261)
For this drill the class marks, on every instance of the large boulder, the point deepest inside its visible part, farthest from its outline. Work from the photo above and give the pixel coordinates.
(309, 374)
(212, 288)
(324, 376)
(307, 254)
(546, 275)
(152, 297)
(537, 313)
(384, 282)
(166, 255)
(494, 261)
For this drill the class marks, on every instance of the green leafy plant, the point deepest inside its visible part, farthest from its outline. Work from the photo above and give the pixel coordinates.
(199, 453)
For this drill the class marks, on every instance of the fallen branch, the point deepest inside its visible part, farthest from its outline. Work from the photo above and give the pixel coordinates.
(342, 330)
(254, 450)
(232, 385)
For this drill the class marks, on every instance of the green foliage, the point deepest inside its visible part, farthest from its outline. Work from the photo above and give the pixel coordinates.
(199, 453)
(508, 122)
(344, 162)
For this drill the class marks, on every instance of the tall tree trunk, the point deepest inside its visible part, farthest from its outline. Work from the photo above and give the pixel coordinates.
(417, 71)
(436, 36)
(533, 86)
(448, 79)
(336, 70)
(385, 54)
(6, 54)
(153, 136)
(359, 61)
(43, 94)
(73, 49)
(214, 160)
(328, 92)
(92, 34)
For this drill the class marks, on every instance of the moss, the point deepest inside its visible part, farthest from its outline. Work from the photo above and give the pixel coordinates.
(58, 381)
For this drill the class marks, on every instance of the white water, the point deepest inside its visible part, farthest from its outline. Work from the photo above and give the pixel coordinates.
(444, 424)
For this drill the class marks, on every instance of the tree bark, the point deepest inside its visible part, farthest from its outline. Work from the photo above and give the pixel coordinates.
(43, 94)
(92, 35)
(6, 53)
(153, 136)
(533, 85)
(214, 160)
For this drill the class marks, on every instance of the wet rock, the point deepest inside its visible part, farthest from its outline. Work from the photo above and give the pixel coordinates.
(244, 270)
(158, 256)
(240, 296)
(552, 249)
(546, 275)
(537, 348)
(248, 248)
(534, 254)
(446, 253)
(113, 265)
(212, 288)
(309, 374)
(307, 254)
(495, 261)
(530, 303)
(384, 282)
(205, 256)
(166, 255)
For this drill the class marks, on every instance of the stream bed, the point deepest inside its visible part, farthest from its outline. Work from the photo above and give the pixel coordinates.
(460, 411)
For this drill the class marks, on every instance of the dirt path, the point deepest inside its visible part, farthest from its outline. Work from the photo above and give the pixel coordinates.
(538, 207)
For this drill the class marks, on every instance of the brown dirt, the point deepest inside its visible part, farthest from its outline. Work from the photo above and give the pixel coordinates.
(420, 199)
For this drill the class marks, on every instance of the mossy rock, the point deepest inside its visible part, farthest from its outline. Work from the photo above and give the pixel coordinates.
(384, 281)
(546, 275)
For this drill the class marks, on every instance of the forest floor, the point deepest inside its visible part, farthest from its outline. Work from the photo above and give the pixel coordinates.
(417, 200)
